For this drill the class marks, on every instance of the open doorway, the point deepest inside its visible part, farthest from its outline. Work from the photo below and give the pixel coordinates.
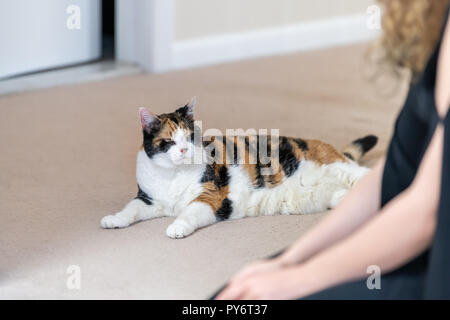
(108, 29)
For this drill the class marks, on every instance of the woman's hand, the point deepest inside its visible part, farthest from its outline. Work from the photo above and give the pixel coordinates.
(282, 283)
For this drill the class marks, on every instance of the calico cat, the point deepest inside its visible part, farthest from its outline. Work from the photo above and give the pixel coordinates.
(233, 178)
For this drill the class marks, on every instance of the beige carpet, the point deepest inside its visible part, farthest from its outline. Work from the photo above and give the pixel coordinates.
(68, 159)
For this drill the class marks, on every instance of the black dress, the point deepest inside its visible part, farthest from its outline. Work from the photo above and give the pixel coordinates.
(428, 275)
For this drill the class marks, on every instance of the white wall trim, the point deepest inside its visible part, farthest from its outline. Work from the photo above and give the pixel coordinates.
(125, 12)
(279, 40)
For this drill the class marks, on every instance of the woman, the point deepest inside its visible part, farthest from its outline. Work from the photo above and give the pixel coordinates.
(398, 217)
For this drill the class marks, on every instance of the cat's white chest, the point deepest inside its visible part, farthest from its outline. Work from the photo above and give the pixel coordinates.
(174, 189)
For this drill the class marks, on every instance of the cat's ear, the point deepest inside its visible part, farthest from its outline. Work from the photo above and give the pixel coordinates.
(147, 118)
(188, 110)
(191, 105)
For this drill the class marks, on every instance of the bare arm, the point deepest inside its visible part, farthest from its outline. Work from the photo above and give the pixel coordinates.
(401, 231)
(360, 204)
(405, 227)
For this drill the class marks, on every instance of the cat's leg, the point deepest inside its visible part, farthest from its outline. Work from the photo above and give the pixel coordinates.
(348, 175)
(197, 215)
(136, 210)
(337, 196)
(335, 182)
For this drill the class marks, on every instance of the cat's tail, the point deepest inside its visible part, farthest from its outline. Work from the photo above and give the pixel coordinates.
(359, 147)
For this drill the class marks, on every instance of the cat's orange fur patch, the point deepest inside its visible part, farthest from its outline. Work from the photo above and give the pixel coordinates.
(323, 153)
(212, 195)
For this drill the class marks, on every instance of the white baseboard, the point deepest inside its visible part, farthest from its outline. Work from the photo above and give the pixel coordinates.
(273, 41)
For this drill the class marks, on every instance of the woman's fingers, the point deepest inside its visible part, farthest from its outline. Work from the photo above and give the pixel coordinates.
(252, 290)
(238, 288)
(235, 288)
(231, 292)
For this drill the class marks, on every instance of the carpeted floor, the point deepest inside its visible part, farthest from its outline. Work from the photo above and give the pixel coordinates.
(68, 159)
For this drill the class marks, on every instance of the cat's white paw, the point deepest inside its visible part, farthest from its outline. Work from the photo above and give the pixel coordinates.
(109, 222)
(179, 229)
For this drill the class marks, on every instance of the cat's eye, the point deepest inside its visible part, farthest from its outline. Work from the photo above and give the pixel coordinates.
(166, 142)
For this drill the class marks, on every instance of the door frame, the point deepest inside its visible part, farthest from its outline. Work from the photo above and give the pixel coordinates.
(144, 33)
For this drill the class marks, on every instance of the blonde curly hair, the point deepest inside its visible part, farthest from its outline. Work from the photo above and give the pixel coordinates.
(410, 32)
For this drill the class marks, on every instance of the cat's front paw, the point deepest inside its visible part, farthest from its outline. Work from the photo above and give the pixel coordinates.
(179, 229)
(110, 222)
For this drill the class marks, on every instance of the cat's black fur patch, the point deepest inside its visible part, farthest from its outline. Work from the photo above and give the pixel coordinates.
(252, 149)
(348, 155)
(149, 134)
(225, 210)
(183, 111)
(235, 153)
(141, 195)
(301, 144)
(220, 180)
(259, 176)
(366, 143)
(174, 119)
(208, 174)
(287, 157)
(151, 149)
(165, 145)
(223, 178)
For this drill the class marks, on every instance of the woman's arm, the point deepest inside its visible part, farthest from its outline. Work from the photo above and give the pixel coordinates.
(406, 226)
(401, 231)
(355, 209)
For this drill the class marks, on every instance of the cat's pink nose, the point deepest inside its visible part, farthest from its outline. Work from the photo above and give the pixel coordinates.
(183, 150)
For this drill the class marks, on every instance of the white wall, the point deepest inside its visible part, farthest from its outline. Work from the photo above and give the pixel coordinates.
(163, 35)
(34, 35)
(201, 18)
(216, 31)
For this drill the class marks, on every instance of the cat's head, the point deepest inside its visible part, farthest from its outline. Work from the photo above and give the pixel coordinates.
(169, 137)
